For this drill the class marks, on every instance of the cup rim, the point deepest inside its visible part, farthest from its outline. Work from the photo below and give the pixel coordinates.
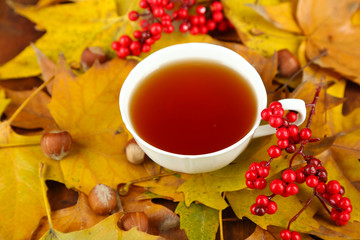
(126, 118)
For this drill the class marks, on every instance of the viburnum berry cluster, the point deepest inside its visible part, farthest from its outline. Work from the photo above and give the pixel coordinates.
(292, 140)
(163, 16)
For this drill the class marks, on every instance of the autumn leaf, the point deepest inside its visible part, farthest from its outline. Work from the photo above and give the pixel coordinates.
(257, 33)
(199, 222)
(74, 26)
(106, 229)
(75, 218)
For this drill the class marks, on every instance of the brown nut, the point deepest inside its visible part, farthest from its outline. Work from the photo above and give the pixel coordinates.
(56, 144)
(102, 199)
(134, 153)
(90, 55)
(288, 63)
(134, 219)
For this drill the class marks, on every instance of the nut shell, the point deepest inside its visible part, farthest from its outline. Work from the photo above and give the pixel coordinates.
(134, 153)
(288, 63)
(102, 199)
(56, 145)
(92, 54)
(134, 219)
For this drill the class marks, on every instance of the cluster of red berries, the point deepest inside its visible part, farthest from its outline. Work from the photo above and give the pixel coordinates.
(160, 16)
(255, 176)
(288, 134)
(263, 205)
(313, 173)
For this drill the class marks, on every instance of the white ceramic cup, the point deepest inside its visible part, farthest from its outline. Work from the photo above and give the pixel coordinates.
(210, 161)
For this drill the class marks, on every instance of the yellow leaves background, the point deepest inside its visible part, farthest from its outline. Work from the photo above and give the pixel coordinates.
(86, 105)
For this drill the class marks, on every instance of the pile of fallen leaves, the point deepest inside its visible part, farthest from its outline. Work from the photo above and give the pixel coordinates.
(41, 198)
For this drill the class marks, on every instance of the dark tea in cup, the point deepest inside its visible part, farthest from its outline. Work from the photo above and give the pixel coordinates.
(193, 107)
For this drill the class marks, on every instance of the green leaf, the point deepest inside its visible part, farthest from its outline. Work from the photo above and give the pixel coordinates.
(199, 221)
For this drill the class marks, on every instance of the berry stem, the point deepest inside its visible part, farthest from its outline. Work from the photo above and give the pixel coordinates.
(301, 210)
(327, 202)
(313, 104)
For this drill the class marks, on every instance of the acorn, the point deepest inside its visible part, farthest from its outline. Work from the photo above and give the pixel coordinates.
(134, 153)
(134, 219)
(102, 199)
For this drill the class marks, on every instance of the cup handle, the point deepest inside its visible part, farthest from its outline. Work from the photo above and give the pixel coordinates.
(297, 105)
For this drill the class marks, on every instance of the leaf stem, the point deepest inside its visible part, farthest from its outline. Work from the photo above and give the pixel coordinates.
(221, 222)
(43, 189)
(22, 106)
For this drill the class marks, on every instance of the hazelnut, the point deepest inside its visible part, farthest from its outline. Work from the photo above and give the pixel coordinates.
(134, 153)
(90, 55)
(56, 144)
(134, 219)
(102, 199)
(288, 63)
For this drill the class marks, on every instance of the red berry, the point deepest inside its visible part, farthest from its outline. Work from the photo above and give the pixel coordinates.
(344, 203)
(263, 171)
(293, 130)
(277, 186)
(321, 187)
(166, 20)
(145, 25)
(183, 27)
(194, 30)
(265, 114)
(295, 235)
(282, 133)
(115, 45)
(291, 148)
(200, 10)
(250, 175)
(291, 116)
(334, 199)
(262, 200)
(278, 111)
(254, 166)
(310, 169)
(150, 41)
(194, 20)
(223, 26)
(260, 211)
(275, 121)
(275, 104)
(250, 184)
(274, 151)
(216, 6)
(334, 214)
(305, 133)
(143, 4)
(312, 181)
(218, 16)
(252, 208)
(285, 234)
(158, 11)
(211, 25)
(344, 216)
(202, 20)
(271, 207)
(125, 40)
(137, 34)
(135, 45)
(289, 176)
(183, 13)
(260, 183)
(292, 189)
(133, 15)
(123, 52)
(300, 176)
(169, 29)
(170, 5)
(333, 187)
(316, 162)
(155, 28)
(283, 143)
(203, 29)
(146, 48)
